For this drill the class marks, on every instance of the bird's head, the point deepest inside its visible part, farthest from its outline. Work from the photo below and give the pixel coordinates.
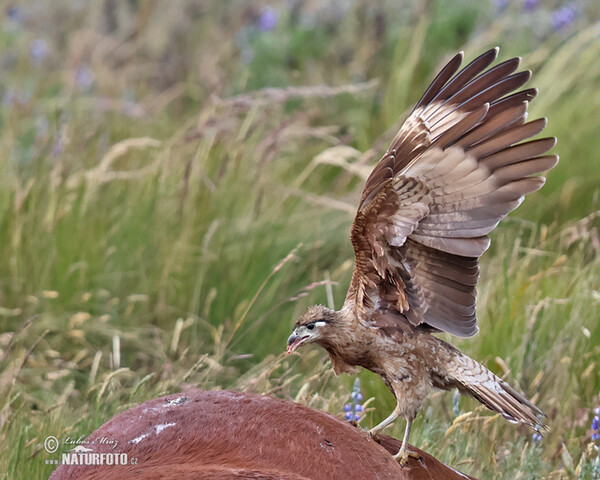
(311, 327)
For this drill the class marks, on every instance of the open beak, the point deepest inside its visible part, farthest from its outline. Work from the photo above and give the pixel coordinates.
(294, 342)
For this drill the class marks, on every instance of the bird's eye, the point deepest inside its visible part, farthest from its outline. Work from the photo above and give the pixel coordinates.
(310, 326)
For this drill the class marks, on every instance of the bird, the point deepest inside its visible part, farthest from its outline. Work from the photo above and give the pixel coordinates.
(462, 160)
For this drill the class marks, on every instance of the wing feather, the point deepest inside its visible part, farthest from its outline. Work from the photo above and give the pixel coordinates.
(458, 165)
(466, 75)
(507, 138)
(514, 154)
(514, 115)
(490, 93)
(446, 74)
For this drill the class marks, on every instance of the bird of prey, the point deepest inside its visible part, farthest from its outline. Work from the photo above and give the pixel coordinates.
(458, 165)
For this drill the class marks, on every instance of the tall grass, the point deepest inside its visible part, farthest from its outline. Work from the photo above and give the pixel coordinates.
(173, 194)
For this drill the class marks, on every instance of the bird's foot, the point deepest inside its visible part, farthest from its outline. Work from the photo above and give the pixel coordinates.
(404, 454)
(374, 436)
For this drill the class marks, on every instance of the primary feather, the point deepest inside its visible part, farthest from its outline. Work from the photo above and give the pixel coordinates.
(457, 166)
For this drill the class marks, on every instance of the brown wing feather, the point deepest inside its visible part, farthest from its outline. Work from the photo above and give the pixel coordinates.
(458, 165)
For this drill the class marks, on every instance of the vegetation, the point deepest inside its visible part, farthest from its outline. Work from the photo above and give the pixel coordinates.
(177, 185)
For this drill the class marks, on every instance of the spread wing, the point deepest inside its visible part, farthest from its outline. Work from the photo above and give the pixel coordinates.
(457, 166)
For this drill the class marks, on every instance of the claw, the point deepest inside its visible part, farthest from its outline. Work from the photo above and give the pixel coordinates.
(374, 436)
(404, 454)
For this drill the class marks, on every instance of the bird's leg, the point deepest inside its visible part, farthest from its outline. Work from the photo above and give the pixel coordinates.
(378, 428)
(404, 452)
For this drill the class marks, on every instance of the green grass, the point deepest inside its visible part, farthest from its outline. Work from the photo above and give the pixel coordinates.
(180, 210)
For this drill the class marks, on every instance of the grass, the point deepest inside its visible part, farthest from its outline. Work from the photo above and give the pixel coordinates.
(177, 186)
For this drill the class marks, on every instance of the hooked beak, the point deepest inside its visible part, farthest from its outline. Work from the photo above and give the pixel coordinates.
(294, 342)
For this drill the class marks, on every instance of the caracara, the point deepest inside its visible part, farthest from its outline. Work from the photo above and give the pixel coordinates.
(457, 166)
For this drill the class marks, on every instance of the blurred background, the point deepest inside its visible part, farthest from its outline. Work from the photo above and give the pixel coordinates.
(177, 184)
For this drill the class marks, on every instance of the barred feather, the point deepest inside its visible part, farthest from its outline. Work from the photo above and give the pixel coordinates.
(473, 379)
(460, 163)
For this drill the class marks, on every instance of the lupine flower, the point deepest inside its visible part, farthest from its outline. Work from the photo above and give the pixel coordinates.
(15, 14)
(37, 51)
(563, 17)
(537, 437)
(84, 77)
(356, 395)
(530, 5)
(268, 19)
(353, 411)
(596, 425)
(501, 5)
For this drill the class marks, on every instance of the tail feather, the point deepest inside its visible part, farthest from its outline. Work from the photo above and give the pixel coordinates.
(473, 379)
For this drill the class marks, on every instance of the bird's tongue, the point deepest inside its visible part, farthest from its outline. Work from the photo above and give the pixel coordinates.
(294, 345)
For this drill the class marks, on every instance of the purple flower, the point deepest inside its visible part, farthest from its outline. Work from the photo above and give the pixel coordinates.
(501, 5)
(597, 410)
(530, 5)
(354, 409)
(356, 396)
(268, 19)
(595, 437)
(14, 14)
(84, 77)
(596, 423)
(37, 51)
(563, 17)
(537, 437)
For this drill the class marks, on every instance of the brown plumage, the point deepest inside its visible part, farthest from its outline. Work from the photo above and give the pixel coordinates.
(457, 166)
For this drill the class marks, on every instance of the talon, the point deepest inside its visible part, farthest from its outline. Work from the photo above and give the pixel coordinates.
(403, 455)
(374, 436)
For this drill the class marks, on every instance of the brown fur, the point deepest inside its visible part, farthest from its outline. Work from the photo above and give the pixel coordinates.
(231, 435)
